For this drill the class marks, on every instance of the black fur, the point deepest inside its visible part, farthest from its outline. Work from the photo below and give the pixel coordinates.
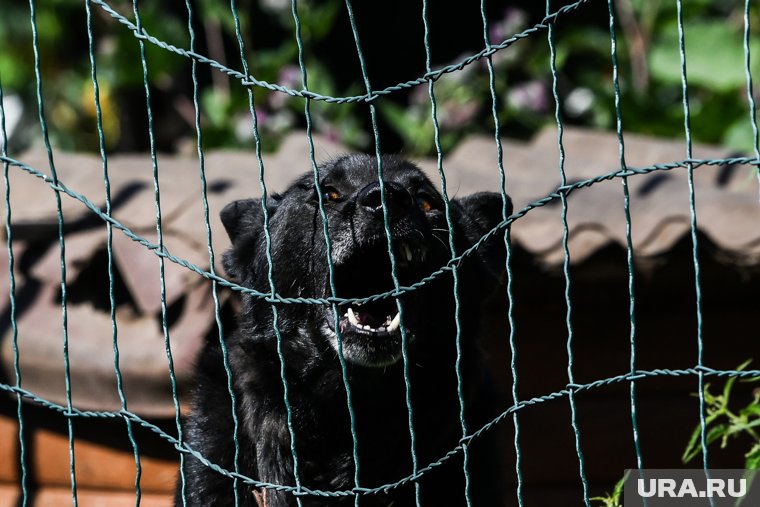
(375, 367)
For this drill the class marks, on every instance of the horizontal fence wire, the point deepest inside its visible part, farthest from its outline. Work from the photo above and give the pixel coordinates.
(246, 79)
(497, 229)
(184, 448)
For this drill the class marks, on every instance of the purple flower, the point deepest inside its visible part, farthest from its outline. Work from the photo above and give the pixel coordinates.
(455, 114)
(513, 22)
(530, 96)
(289, 77)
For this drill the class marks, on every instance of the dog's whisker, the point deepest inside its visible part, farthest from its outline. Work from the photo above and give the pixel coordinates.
(445, 246)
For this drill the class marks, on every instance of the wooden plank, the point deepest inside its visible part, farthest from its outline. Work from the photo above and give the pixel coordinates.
(8, 451)
(9, 494)
(55, 497)
(97, 466)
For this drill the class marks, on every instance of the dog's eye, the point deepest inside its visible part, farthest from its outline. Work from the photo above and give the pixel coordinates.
(423, 201)
(330, 194)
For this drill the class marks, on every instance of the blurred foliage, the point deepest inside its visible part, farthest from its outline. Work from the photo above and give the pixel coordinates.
(648, 53)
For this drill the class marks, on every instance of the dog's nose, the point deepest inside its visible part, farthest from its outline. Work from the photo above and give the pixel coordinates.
(397, 199)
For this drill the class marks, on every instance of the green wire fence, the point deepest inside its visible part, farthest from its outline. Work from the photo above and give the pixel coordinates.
(370, 97)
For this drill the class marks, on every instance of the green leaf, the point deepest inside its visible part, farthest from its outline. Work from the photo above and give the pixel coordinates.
(737, 428)
(753, 458)
(740, 135)
(417, 134)
(619, 487)
(612, 499)
(750, 410)
(714, 55)
(732, 380)
(694, 448)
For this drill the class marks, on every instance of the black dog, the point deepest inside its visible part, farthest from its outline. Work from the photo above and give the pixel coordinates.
(371, 340)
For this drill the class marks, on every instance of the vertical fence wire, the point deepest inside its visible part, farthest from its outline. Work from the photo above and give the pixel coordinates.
(389, 237)
(328, 249)
(452, 248)
(62, 247)
(268, 252)
(700, 370)
(109, 248)
(694, 240)
(566, 263)
(12, 295)
(212, 257)
(508, 248)
(434, 119)
(750, 89)
(160, 243)
(628, 238)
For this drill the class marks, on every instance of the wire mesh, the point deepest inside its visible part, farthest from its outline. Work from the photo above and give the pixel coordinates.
(246, 79)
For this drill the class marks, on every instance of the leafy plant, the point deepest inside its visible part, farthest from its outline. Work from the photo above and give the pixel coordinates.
(724, 423)
(614, 499)
(648, 56)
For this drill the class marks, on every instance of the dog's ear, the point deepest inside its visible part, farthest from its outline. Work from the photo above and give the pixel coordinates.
(244, 222)
(479, 213)
(485, 209)
(238, 214)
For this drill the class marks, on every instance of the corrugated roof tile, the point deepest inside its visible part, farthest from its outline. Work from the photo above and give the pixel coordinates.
(727, 208)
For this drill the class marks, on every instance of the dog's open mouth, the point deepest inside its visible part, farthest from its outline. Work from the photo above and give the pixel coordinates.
(371, 331)
(366, 319)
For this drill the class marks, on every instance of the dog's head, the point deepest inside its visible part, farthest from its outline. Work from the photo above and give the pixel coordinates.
(351, 193)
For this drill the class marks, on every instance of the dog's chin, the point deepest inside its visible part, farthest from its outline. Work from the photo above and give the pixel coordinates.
(373, 347)
(370, 332)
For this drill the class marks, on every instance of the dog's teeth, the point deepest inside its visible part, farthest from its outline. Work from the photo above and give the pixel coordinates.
(352, 318)
(368, 328)
(393, 326)
(382, 329)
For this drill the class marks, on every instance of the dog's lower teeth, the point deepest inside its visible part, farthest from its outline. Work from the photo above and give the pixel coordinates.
(390, 325)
